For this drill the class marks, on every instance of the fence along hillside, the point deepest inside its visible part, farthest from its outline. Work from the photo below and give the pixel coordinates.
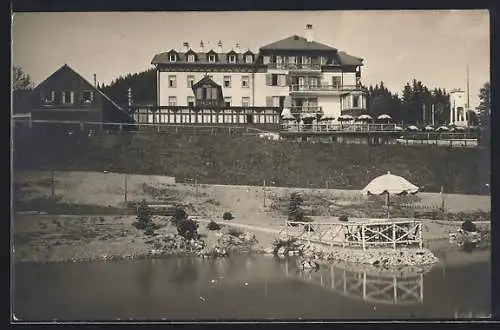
(248, 160)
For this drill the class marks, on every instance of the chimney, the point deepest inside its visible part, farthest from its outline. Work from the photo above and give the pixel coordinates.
(202, 46)
(186, 46)
(309, 33)
(237, 48)
(219, 47)
(95, 80)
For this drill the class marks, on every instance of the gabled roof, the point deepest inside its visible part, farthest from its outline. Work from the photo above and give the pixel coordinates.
(346, 59)
(296, 42)
(65, 67)
(206, 80)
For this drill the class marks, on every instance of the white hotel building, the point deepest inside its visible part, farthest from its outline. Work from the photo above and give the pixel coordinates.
(295, 76)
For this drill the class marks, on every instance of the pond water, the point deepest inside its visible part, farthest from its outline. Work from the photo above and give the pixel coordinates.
(244, 288)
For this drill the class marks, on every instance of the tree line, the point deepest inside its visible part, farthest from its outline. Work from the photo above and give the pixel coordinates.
(416, 105)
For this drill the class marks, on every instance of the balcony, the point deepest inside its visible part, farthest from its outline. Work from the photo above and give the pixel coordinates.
(318, 88)
(306, 109)
(304, 67)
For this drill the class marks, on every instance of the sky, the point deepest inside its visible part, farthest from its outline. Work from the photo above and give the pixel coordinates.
(434, 47)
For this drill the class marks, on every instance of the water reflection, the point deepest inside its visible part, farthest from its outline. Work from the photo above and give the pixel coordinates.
(380, 287)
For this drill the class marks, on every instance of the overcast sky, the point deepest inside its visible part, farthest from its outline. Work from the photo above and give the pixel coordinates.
(397, 46)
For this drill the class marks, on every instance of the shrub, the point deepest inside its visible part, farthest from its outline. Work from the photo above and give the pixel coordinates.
(343, 218)
(179, 215)
(236, 232)
(469, 226)
(143, 213)
(188, 229)
(227, 216)
(290, 244)
(213, 225)
(295, 213)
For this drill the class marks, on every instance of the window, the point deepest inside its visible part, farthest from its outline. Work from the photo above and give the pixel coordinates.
(190, 101)
(336, 82)
(48, 97)
(172, 101)
(87, 97)
(245, 101)
(266, 59)
(249, 59)
(279, 61)
(276, 80)
(227, 81)
(227, 101)
(355, 101)
(172, 57)
(67, 97)
(292, 60)
(306, 60)
(245, 81)
(211, 58)
(191, 58)
(276, 101)
(172, 82)
(232, 58)
(322, 60)
(190, 81)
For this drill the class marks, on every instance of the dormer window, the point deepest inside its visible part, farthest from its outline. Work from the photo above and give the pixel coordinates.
(211, 58)
(191, 58)
(67, 97)
(172, 58)
(232, 58)
(249, 59)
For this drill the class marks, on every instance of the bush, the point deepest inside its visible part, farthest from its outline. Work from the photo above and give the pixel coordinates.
(236, 232)
(227, 216)
(343, 218)
(188, 229)
(295, 213)
(143, 213)
(469, 226)
(179, 215)
(290, 244)
(213, 226)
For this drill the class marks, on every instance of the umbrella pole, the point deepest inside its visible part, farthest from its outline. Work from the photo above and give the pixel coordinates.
(387, 205)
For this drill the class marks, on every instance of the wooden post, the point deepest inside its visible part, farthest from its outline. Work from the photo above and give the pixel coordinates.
(126, 188)
(326, 184)
(421, 243)
(30, 122)
(52, 183)
(387, 201)
(394, 236)
(363, 236)
(395, 285)
(442, 198)
(81, 126)
(264, 192)
(364, 285)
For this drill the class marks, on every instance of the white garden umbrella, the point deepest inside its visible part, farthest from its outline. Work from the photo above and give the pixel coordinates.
(459, 128)
(364, 117)
(412, 128)
(308, 115)
(442, 128)
(328, 117)
(398, 128)
(384, 117)
(429, 128)
(389, 184)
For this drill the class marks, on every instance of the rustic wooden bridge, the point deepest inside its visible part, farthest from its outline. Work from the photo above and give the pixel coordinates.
(362, 234)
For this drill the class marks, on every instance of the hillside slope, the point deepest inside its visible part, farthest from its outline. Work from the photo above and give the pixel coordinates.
(224, 159)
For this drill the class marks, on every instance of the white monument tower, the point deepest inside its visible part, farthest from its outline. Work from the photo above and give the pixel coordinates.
(459, 105)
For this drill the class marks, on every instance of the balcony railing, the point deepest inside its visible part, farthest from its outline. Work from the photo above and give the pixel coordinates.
(292, 66)
(305, 109)
(301, 88)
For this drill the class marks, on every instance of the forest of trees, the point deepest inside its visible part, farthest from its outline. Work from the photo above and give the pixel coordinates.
(415, 102)
(143, 85)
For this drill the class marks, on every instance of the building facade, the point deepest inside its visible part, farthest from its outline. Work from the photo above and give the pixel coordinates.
(297, 75)
(67, 96)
